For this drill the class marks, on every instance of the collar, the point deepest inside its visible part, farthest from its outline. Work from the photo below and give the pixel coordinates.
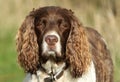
(52, 77)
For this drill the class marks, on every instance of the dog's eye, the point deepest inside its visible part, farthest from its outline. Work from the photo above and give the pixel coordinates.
(62, 24)
(43, 22)
(59, 22)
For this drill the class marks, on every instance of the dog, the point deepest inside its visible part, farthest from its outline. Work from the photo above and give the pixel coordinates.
(53, 46)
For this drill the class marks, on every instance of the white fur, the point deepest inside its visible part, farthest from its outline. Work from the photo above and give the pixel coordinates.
(88, 76)
(57, 45)
(30, 78)
(50, 66)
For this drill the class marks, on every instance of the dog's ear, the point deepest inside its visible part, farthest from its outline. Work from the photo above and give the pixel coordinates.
(27, 46)
(77, 49)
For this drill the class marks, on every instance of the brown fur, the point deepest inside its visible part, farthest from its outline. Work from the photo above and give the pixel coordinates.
(27, 46)
(101, 56)
(81, 46)
(78, 53)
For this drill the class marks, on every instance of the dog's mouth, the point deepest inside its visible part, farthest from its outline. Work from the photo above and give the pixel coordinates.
(52, 55)
(51, 48)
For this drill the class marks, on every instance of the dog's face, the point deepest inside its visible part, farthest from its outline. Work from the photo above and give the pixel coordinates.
(52, 30)
(53, 33)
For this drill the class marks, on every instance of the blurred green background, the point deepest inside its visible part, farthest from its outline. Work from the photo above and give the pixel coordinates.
(103, 15)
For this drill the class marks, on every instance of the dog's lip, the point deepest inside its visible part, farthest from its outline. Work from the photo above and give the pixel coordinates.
(51, 52)
(51, 47)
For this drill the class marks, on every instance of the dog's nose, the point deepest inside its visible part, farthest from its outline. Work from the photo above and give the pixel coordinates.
(51, 39)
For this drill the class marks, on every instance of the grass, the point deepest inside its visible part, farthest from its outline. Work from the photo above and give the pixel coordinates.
(91, 14)
(9, 69)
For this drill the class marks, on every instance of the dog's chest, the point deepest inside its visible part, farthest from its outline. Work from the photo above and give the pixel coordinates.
(52, 71)
(58, 69)
(50, 66)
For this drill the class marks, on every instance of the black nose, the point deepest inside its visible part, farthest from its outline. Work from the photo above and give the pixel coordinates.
(51, 39)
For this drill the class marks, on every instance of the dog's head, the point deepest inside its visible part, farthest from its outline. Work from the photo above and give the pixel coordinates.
(52, 33)
(52, 29)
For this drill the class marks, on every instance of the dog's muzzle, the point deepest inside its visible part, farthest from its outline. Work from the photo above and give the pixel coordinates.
(51, 44)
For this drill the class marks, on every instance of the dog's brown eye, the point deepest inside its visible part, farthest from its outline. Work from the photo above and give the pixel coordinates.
(59, 22)
(65, 25)
(62, 24)
(43, 22)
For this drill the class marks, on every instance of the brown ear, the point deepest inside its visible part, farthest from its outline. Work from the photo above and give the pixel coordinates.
(27, 46)
(77, 49)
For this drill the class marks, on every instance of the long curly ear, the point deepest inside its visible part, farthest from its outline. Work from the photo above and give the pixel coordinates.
(27, 46)
(77, 49)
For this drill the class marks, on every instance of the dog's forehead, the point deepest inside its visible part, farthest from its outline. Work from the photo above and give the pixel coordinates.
(54, 16)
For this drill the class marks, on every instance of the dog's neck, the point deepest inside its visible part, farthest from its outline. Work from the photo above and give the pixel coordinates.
(51, 66)
(53, 70)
